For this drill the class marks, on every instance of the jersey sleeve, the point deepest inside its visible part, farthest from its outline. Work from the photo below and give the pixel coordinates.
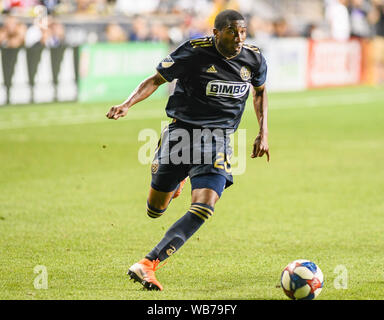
(260, 74)
(175, 65)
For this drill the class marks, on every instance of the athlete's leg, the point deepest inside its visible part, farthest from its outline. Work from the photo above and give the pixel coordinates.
(167, 179)
(207, 186)
(207, 196)
(206, 190)
(158, 201)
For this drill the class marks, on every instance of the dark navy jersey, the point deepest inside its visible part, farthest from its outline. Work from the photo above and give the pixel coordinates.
(211, 90)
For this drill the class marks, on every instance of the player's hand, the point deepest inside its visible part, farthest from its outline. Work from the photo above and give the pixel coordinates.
(116, 112)
(260, 147)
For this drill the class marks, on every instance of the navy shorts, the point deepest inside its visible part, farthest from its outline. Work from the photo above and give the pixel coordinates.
(184, 150)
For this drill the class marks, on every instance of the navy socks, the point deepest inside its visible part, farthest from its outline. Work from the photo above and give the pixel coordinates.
(181, 231)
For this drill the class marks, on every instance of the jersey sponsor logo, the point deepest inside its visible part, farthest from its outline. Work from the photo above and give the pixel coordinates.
(245, 73)
(211, 69)
(228, 89)
(167, 62)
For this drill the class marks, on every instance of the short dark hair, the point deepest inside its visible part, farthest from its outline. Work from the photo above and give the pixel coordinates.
(225, 16)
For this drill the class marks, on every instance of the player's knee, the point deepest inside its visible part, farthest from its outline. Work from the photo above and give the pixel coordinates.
(205, 196)
(207, 188)
(155, 211)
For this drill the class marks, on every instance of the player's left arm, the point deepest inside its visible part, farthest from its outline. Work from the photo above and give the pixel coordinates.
(260, 104)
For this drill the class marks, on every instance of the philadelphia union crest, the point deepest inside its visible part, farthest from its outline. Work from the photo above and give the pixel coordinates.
(155, 166)
(245, 73)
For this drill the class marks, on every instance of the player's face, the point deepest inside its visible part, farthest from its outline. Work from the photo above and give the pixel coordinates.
(231, 38)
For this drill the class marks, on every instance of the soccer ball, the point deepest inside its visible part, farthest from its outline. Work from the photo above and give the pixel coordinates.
(302, 280)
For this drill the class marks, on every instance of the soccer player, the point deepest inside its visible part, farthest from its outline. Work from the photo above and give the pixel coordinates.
(214, 75)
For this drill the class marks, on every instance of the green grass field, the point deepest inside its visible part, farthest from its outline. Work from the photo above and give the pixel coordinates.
(73, 197)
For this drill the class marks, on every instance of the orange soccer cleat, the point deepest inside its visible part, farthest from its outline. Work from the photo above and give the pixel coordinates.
(179, 189)
(144, 272)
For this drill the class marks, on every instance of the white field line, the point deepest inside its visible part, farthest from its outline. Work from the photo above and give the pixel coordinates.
(326, 101)
(17, 119)
(35, 119)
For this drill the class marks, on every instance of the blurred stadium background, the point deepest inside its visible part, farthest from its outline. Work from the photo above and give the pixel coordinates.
(73, 191)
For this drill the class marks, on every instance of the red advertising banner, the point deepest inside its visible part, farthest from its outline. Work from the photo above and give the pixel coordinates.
(334, 63)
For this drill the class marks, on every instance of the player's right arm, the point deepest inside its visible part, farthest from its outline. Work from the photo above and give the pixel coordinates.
(143, 91)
